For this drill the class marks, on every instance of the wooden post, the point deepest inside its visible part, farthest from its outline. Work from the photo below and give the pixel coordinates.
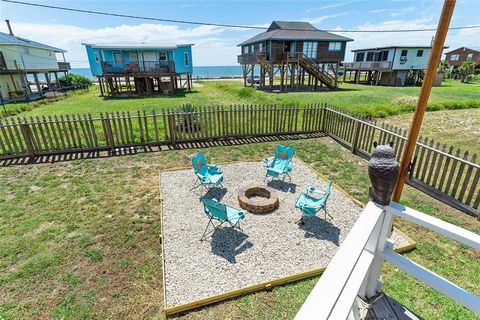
(433, 62)
(356, 131)
(47, 78)
(27, 136)
(37, 83)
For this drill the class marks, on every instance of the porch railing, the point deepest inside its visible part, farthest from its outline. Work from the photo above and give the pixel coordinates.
(356, 268)
(368, 65)
(138, 66)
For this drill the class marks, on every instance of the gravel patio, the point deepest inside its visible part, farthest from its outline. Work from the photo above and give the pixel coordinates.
(271, 245)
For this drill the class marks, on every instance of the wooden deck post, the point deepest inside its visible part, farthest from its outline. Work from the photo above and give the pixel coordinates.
(433, 62)
(27, 136)
(37, 83)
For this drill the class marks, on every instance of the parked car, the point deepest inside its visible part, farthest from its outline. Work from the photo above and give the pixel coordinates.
(255, 80)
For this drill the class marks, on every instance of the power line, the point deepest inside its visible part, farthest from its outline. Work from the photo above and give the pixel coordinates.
(216, 24)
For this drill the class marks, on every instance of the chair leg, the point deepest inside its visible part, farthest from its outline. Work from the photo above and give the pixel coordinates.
(326, 213)
(205, 231)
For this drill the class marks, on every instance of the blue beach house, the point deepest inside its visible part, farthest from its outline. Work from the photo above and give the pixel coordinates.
(140, 69)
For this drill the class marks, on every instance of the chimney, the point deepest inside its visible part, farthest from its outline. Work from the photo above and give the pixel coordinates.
(9, 27)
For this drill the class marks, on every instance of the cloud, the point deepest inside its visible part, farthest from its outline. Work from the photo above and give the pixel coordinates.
(187, 5)
(393, 12)
(211, 44)
(322, 18)
(333, 5)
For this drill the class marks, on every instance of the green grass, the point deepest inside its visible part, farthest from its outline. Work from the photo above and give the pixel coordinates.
(374, 101)
(81, 239)
(458, 128)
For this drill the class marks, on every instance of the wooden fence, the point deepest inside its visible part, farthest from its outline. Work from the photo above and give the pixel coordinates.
(447, 174)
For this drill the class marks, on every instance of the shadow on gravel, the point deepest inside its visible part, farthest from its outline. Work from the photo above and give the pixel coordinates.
(319, 228)
(282, 186)
(229, 242)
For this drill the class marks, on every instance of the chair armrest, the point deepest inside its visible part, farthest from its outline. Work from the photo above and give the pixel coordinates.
(213, 168)
(313, 189)
(268, 160)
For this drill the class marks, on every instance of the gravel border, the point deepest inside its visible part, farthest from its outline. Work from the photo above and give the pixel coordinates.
(271, 245)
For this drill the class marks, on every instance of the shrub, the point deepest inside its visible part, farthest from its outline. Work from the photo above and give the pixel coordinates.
(74, 79)
(245, 92)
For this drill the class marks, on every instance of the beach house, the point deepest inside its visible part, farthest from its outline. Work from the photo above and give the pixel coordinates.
(457, 57)
(390, 65)
(140, 68)
(23, 60)
(302, 56)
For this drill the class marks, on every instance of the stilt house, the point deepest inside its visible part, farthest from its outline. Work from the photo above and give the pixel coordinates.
(140, 69)
(297, 54)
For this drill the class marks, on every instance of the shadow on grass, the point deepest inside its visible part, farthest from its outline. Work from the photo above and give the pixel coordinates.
(105, 152)
(178, 94)
(228, 242)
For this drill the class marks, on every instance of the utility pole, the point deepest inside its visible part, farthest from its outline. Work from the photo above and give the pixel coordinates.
(433, 62)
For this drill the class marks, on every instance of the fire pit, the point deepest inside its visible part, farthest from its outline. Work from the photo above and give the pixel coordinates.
(256, 198)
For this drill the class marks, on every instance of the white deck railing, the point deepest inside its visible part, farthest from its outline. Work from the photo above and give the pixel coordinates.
(356, 268)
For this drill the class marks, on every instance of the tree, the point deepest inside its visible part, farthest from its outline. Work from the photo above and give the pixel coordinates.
(466, 69)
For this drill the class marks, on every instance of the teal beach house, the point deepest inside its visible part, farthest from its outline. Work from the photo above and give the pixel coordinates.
(141, 69)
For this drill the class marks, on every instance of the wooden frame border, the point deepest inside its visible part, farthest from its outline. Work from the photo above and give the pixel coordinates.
(265, 285)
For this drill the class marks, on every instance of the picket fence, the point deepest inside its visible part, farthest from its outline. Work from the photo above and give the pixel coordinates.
(445, 173)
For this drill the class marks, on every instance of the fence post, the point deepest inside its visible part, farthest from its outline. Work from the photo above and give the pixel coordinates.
(27, 136)
(324, 117)
(109, 134)
(356, 131)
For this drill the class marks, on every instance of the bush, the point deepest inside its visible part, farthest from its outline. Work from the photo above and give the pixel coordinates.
(75, 79)
(245, 92)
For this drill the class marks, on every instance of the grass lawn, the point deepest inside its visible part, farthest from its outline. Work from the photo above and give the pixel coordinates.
(81, 239)
(458, 128)
(374, 101)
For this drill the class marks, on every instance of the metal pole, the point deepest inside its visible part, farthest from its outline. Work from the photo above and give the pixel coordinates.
(433, 62)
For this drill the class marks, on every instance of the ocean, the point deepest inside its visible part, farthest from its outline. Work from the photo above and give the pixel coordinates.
(198, 72)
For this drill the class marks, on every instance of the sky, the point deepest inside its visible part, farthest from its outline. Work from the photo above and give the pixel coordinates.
(214, 46)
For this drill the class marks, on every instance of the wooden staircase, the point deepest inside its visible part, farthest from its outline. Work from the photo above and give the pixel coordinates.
(313, 69)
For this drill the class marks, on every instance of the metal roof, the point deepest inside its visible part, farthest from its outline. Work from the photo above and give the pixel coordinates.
(136, 45)
(294, 30)
(8, 39)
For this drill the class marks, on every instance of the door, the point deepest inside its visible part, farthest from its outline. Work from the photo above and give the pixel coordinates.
(150, 60)
(287, 46)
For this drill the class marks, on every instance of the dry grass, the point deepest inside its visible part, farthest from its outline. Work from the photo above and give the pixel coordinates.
(459, 128)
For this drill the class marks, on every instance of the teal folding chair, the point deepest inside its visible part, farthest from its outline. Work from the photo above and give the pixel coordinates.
(223, 213)
(310, 205)
(279, 165)
(208, 176)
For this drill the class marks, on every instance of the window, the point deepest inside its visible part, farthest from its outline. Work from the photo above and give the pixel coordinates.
(369, 56)
(334, 46)
(26, 50)
(454, 57)
(310, 49)
(384, 55)
(419, 53)
(260, 47)
(185, 59)
(470, 56)
(360, 56)
(50, 53)
(133, 55)
(404, 53)
(95, 56)
(117, 56)
(163, 56)
(252, 48)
